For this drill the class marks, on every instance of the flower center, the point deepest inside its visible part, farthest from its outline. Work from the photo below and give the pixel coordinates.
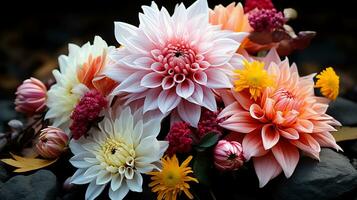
(286, 101)
(172, 178)
(117, 154)
(178, 61)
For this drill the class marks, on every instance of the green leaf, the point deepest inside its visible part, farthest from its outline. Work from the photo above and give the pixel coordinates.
(209, 140)
(202, 167)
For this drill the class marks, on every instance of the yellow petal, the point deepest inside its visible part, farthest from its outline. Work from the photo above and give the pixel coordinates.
(24, 164)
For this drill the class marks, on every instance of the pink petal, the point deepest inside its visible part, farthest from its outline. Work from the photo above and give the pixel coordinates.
(189, 112)
(200, 77)
(266, 168)
(151, 80)
(150, 102)
(272, 56)
(167, 83)
(289, 133)
(325, 139)
(240, 122)
(308, 144)
(269, 108)
(257, 112)
(209, 100)
(168, 100)
(253, 146)
(197, 96)
(230, 110)
(287, 156)
(217, 79)
(132, 83)
(185, 89)
(270, 136)
(303, 125)
(244, 99)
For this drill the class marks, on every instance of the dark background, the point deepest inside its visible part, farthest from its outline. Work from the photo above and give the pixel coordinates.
(34, 33)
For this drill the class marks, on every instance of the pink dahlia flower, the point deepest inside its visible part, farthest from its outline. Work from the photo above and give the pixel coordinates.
(228, 155)
(288, 117)
(173, 62)
(31, 97)
(52, 142)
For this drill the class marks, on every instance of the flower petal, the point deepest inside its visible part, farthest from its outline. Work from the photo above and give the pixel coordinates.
(266, 168)
(287, 156)
(270, 136)
(252, 145)
(189, 112)
(168, 100)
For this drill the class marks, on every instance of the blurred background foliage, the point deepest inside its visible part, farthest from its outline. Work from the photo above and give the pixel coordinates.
(34, 33)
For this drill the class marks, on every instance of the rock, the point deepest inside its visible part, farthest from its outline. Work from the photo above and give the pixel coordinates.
(345, 111)
(330, 178)
(41, 185)
(4, 175)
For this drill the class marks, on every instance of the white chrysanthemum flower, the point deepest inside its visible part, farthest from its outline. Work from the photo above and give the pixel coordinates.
(74, 78)
(117, 153)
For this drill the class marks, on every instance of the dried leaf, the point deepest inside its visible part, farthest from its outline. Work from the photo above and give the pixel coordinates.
(345, 133)
(27, 164)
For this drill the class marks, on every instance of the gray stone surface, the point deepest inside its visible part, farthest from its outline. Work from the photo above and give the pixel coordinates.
(330, 178)
(41, 185)
(4, 175)
(345, 111)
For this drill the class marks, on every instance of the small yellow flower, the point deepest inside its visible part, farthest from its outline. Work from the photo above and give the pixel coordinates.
(172, 179)
(253, 77)
(328, 82)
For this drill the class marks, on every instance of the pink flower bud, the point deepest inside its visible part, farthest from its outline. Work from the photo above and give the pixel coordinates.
(52, 142)
(31, 96)
(228, 155)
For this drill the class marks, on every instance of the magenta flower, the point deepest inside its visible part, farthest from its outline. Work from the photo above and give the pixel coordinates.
(228, 155)
(31, 97)
(173, 62)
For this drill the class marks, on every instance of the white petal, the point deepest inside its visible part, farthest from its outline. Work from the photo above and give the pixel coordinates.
(135, 184)
(103, 177)
(93, 191)
(151, 80)
(185, 89)
(168, 100)
(132, 83)
(189, 112)
(116, 181)
(209, 100)
(152, 128)
(150, 102)
(217, 79)
(79, 177)
(78, 160)
(120, 193)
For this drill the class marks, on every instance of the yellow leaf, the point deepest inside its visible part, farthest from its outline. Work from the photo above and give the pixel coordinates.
(345, 133)
(24, 164)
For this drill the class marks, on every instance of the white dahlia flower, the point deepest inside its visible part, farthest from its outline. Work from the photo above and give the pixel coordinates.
(117, 153)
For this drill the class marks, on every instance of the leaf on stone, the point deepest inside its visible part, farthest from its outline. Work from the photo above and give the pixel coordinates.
(345, 133)
(24, 164)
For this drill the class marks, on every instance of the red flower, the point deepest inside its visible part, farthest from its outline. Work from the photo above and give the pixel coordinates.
(86, 112)
(209, 123)
(179, 138)
(260, 4)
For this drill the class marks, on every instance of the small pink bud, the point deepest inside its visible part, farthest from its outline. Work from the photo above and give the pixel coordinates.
(228, 155)
(52, 142)
(31, 97)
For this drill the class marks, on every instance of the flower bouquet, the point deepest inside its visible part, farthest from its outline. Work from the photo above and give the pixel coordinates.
(184, 103)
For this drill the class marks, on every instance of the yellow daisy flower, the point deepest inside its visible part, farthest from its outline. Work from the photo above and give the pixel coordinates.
(253, 77)
(172, 179)
(328, 82)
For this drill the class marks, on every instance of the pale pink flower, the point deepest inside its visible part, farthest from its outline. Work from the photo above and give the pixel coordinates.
(228, 155)
(285, 119)
(173, 62)
(52, 142)
(31, 97)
